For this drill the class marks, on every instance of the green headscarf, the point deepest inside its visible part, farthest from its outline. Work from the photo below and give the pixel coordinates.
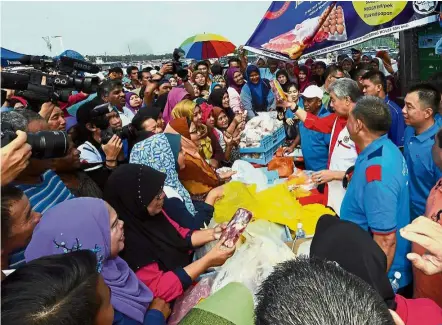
(231, 305)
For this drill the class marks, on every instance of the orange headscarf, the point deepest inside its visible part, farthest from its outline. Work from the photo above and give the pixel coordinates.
(198, 177)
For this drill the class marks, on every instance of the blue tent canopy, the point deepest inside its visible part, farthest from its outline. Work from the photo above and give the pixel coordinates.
(71, 54)
(9, 57)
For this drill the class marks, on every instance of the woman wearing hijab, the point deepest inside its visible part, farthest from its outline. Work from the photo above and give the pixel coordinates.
(219, 79)
(209, 121)
(198, 177)
(256, 95)
(133, 103)
(88, 223)
(355, 251)
(215, 86)
(198, 131)
(200, 79)
(235, 80)
(320, 71)
(156, 247)
(304, 78)
(283, 78)
(261, 62)
(366, 58)
(223, 143)
(175, 96)
(220, 98)
(228, 134)
(347, 64)
(157, 152)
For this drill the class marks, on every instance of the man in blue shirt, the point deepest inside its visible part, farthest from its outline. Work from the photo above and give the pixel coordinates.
(375, 84)
(377, 198)
(421, 105)
(315, 145)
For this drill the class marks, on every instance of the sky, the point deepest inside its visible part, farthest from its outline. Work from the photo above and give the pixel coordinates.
(146, 27)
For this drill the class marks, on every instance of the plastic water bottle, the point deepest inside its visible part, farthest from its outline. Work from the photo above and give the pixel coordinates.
(395, 281)
(300, 233)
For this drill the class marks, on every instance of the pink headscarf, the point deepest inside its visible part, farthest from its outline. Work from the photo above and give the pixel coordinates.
(175, 96)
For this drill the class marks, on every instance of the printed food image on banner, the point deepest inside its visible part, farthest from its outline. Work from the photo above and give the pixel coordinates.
(333, 26)
(291, 29)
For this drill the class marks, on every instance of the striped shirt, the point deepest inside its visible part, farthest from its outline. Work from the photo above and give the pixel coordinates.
(42, 197)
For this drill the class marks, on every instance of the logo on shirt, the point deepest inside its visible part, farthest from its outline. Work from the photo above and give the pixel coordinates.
(346, 139)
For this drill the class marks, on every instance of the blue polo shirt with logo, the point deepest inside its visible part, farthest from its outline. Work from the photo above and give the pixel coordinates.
(377, 199)
(397, 128)
(314, 145)
(424, 173)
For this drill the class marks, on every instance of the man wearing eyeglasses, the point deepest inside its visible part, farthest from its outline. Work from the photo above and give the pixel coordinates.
(332, 73)
(342, 154)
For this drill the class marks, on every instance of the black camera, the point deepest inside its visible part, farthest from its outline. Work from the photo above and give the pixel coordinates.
(41, 84)
(177, 65)
(127, 132)
(101, 121)
(44, 144)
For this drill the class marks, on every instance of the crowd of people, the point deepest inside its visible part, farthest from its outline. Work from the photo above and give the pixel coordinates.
(107, 233)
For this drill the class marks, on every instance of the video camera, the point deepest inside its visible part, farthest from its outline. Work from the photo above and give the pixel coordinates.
(177, 65)
(44, 144)
(100, 120)
(43, 85)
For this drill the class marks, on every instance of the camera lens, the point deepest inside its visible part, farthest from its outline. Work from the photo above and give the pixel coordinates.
(48, 144)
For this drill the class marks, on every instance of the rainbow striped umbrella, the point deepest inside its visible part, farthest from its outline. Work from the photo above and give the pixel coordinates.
(206, 46)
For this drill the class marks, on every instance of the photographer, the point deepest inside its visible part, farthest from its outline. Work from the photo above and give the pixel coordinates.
(154, 85)
(98, 159)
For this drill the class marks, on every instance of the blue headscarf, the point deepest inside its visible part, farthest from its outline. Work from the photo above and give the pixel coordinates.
(258, 91)
(156, 152)
(212, 87)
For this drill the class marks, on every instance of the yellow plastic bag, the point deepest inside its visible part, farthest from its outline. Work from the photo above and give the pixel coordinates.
(236, 195)
(275, 204)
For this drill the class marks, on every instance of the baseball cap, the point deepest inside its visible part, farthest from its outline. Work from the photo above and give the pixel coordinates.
(313, 92)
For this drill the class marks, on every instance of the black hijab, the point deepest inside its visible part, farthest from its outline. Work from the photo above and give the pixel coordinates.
(285, 73)
(216, 99)
(355, 251)
(129, 190)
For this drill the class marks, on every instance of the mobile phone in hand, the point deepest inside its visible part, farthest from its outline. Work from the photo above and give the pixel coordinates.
(236, 227)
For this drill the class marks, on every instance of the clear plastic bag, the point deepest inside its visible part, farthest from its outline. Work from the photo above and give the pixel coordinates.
(253, 262)
(247, 174)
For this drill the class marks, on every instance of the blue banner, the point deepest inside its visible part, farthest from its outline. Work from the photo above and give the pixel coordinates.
(294, 28)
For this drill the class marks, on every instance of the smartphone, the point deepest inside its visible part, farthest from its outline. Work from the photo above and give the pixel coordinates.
(236, 227)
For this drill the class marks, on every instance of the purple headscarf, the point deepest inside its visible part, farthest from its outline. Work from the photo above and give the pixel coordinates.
(176, 95)
(85, 222)
(231, 80)
(70, 122)
(128, 96)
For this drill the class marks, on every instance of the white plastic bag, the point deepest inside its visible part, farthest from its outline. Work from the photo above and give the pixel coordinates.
(247, 174)
(252, 263)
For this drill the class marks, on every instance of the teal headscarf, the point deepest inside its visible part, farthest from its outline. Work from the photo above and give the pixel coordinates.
(212, 87)
(156, 152)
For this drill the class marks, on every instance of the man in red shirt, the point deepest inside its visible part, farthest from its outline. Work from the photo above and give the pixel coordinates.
(344, 93)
